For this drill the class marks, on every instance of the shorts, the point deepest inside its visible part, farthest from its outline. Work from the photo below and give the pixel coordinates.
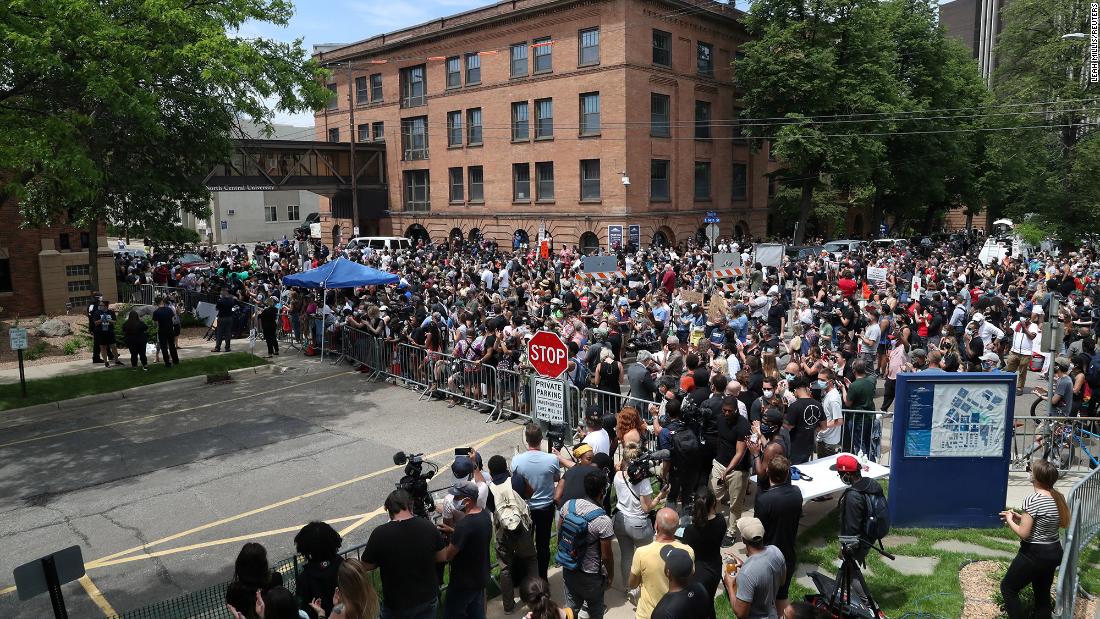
(882, 349)
(176, 330)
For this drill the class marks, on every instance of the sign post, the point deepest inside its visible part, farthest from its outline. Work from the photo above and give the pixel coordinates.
(18, 338)
(47, 575)
(549, 356)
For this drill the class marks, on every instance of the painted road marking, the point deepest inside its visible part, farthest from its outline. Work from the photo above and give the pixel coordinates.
(97, 596)
(175, 412)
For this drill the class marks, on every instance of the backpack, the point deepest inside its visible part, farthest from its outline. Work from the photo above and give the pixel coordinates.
(685, 446)
(573, 536)
(1092, 374)
(876, 522)
(512, 514)
(579, 377)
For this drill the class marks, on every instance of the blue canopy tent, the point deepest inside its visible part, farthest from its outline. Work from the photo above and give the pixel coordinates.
(340, 273)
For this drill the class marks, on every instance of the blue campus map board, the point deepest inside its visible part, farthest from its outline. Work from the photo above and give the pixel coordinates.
(950, 449)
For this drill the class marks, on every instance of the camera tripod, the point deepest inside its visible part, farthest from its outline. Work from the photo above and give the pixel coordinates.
(847, 597)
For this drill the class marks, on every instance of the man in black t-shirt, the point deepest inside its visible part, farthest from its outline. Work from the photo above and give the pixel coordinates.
(803, 419)
(406, 549)
(684, 598)
(165, 317)
(468, 554)
(729, 473)
(779, 509)
(225, 306)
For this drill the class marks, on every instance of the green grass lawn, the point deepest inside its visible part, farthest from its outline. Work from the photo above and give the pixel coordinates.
(102, 380)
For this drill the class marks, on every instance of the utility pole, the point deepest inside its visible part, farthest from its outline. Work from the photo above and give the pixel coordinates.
(351, 160)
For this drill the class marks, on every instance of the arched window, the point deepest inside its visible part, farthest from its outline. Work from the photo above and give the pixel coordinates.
(590, 243)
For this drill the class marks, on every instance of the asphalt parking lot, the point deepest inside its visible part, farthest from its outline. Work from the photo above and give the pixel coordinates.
(161, 491)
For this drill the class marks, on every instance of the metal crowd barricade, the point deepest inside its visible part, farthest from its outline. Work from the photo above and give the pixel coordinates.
(869, 433)
(1067, 442)
(1084, 524)
(515, 392)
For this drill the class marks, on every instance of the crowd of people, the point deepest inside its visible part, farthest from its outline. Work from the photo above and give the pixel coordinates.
(733, 378)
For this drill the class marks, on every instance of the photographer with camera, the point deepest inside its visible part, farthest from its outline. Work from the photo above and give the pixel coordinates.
(406, 549)
(682, 470)
(633, 502)
(862, 510)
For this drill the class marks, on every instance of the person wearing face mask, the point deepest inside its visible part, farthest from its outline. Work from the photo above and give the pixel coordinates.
(772, 440)
(758, 405)
(832, 404)
(1024, 331)
(803, 419)
(468, 554)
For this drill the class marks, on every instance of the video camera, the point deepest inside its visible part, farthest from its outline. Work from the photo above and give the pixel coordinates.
(415, 481)
(642, 467)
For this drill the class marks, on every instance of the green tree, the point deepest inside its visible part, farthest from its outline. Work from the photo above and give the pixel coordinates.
(1045, 169)
(809, 63)
(116, 109)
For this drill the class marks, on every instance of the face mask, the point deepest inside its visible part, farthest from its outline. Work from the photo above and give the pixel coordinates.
(820, 384)
(788, 376)
(769, 393)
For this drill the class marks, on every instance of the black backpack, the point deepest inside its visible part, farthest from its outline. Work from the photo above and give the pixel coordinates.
(686, 448)
(1092, 374)
(876, 519)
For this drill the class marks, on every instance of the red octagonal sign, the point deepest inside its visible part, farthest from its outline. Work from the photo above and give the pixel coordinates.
(548, 354)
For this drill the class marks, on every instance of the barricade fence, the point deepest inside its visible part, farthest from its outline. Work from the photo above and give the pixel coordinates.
(1084, 524)
(867, 434)
(1070, 443)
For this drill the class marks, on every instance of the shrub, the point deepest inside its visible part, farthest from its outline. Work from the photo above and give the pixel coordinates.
(187, 319)
(72, 346)
(37, 351)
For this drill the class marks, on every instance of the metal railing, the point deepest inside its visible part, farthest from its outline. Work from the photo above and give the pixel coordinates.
(1084, 524)
(1070, 443)
(867, 432)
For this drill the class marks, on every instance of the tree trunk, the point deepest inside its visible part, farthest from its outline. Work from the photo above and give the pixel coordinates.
(969, 220)
(805, 207)
(877, 209)
(93, 253)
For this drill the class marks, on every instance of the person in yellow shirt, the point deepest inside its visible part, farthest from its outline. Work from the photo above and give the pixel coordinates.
(648, 568)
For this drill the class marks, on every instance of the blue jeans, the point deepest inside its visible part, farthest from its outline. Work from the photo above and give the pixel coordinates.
(464, 603)
(424, 611)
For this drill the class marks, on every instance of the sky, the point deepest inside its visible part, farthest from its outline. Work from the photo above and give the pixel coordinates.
(347, 21)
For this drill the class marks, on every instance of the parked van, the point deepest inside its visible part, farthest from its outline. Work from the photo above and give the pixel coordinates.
(380, 242)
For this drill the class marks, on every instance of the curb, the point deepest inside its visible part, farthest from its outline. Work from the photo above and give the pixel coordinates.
(145, 390)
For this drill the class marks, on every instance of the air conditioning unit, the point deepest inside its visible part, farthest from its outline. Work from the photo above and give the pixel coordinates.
(231, 212)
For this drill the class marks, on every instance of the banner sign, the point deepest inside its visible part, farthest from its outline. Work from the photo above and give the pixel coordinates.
(634, 231)
(549, 400)
(599, 264)
(770, 254)
(876, 274)
(614, 238)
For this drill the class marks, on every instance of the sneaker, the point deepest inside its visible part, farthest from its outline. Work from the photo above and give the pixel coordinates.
(728, 541)
(144, 369)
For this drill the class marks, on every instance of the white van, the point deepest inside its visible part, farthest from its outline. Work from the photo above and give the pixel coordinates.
(380, 242)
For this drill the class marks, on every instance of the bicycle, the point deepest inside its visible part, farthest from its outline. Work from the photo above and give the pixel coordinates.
(1065, 436)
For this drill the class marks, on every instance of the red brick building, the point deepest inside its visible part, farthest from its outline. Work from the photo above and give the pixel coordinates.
(43, 269)
(533, 114)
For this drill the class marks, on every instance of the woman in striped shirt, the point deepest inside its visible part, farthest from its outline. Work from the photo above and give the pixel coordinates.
(1040, 550)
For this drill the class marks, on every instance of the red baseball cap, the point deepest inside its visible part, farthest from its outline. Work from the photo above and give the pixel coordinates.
(847, 463)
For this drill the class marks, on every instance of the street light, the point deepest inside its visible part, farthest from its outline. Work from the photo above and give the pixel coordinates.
(1074, 36)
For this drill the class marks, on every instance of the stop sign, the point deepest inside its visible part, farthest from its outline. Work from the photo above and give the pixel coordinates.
(548, 354)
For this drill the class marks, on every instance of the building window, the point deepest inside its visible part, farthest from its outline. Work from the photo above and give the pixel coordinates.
(590, 179)
(702, 180)
(473, 69)
(363, 133)
(271, 214)
(544, 180)
(658, 179)
(519, 59)
(376, 88)
(333, 102)
(85, 240)
(520, 128)
(590, 113)
(79, 285)
(739, 181)
(293, 212)
(737, 57)
(63, 241)
(456, 193)
(413, 86)
(702, 120)
(521, 182)
(361, 93)
(414, 138)
(334, 135)
(454, 72)
(417, 195)
(704, 59)
(5, 275)
(379, 131)
(590, 47)
(544, 118)
(477, 183)
(473, 126)
(454, 128)
(77, 270)
(662, 48)
(544, 49)
(659, 122)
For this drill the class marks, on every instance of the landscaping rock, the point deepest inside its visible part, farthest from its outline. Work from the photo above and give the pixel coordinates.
(53, 328)
(913, 566)
(893, 541)
(144, 310)
(966, 548)
(802, 575)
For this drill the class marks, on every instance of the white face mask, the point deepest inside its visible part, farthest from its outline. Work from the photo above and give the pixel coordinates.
(768, 393)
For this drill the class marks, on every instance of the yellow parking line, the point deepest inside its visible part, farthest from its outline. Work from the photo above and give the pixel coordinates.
(7, 590)
(288, 501)
(362, 521)
(215, 542)
(97, 596)
(175, 412)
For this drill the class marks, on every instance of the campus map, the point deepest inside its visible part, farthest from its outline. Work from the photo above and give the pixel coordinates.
(969, 420)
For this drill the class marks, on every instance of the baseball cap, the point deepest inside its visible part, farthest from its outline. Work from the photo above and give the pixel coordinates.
(678, 561)
(581, 449)
(918, 353)
(847, 463)
(992, 358)
(752, 530)
(463, 489)
(773, 416)
(978, 317)
(462, 467)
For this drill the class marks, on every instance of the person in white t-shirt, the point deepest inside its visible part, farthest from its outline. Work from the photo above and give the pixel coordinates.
(1024, 332)
(597, 437)
(467, 468)
(832, 403)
